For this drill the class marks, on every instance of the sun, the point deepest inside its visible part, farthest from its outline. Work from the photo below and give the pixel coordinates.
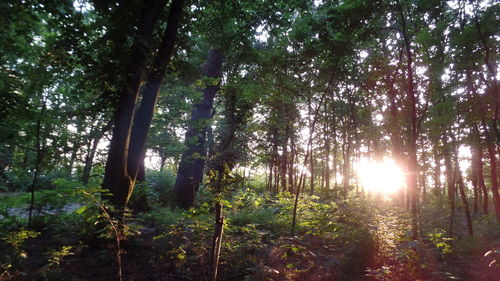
(383, 177)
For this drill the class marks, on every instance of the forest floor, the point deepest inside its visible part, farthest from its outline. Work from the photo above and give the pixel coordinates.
(354, 240)
(398, 258)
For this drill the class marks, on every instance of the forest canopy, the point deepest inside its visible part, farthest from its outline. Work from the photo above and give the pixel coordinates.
(249, 140)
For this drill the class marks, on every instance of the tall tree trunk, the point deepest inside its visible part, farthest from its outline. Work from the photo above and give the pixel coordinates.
(162, 163)
(461, 187)
(437, 171)
(327, 163)
(141, 170)
(474, 179)
(450, 181)
(494, 179)
(270, 176)
(74, 152)
(480, 179)
(345, 168)
(38, 162)
(92, 149)
(116, 176)
(476, 101)
(190, 172)
(423, 177)
(335, 151)
(89, 159)
(144, 114)
(412, 140)
(291, 171)
(310, 146)
(222, 163)
(284, 159)
(302, 180)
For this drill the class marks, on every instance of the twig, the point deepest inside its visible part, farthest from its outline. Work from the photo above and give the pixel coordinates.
(115, 230)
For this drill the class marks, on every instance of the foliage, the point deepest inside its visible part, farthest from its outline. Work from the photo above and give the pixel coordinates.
(440, 241)
(308, 90)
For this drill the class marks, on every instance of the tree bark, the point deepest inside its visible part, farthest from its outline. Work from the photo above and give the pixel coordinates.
(284, 159)
(450, 181)
(310, 146)
(480, 179)
(190, 172)
(144, 114)
(36, 172)
(345, 169)
(291, 171)
(475, 177)
(494, 179)
(412, 140)
(116, 177)
(92, 149)
(327, 163)
(461, 187)
(437, 171)
(423, 177)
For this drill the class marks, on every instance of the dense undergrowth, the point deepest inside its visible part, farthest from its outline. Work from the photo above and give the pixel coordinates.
(355, 239)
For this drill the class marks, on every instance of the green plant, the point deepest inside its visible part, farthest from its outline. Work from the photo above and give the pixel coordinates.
(108, 216)
(440, 241)
(13, 252)
(17, 239)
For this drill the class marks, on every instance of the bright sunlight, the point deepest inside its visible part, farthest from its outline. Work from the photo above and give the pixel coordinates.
(383, 177)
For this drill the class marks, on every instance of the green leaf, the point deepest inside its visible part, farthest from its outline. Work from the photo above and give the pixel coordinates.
(81, 210)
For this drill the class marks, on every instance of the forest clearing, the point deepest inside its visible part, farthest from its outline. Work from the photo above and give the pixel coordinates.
(345, 140)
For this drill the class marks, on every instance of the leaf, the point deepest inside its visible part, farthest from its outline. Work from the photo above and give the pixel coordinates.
(81, 210)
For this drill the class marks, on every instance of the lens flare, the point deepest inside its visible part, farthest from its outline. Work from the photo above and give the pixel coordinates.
(384, 177)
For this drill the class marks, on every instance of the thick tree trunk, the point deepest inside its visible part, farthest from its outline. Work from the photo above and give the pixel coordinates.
(116, 177)
(191, 166)
(144, 114)
(141, 170)
(412, 140)
(494, 179)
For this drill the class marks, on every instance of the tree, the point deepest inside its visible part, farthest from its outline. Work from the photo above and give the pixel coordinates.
(191, 166)
(121, 168)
